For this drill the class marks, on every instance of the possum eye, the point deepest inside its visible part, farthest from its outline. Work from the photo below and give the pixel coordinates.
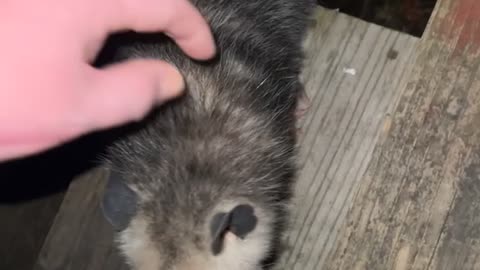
(240, 221)
(119, 203)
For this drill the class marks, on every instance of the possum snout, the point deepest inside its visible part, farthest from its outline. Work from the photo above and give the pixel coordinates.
(240, 234)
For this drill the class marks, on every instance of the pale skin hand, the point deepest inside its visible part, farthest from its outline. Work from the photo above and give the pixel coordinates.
(49, 92)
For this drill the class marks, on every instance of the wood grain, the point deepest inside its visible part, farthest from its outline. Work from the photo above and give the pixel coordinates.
(348, 113)
(418, 205)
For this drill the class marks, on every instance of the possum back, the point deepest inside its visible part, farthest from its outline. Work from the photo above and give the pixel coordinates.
(206, 181)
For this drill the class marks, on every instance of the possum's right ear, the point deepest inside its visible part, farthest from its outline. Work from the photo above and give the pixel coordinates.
(119, 203)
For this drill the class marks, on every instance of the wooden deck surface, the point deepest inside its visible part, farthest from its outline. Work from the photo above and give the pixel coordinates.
(418, 205)
(390, 155)
(354, 75)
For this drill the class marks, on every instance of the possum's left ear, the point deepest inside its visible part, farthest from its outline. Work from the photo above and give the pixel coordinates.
(119, 203)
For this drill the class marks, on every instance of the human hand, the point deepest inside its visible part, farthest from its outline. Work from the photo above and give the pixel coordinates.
(49, 92)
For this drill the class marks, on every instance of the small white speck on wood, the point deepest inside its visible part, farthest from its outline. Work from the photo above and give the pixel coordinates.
(350, 71)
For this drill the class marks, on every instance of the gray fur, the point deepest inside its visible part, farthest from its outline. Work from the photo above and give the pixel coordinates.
(230, 138)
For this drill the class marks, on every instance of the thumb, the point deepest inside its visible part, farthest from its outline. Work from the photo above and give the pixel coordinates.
(127, 91)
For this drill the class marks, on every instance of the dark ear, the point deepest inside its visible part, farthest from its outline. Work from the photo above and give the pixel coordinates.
(240, 221)
(119, 203)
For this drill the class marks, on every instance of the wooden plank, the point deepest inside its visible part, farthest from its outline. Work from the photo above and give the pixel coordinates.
(418, 205)
(80, 238)
(23, 228)
(340, 132)
(342, 126)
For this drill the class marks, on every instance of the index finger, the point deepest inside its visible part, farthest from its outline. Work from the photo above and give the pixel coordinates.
(179, 19)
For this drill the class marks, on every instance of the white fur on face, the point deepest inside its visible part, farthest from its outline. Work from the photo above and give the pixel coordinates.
(247, 253)
(138, 247)
(237, 254)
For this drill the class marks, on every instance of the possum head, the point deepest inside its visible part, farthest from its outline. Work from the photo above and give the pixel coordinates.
(234, 234)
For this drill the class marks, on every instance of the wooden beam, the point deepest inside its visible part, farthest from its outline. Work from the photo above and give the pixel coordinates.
(418, 206)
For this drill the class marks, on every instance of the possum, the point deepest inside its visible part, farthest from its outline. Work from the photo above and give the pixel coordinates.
(205, 182)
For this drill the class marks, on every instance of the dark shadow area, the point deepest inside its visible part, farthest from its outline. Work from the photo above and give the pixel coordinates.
(50, 172)
(409, 16)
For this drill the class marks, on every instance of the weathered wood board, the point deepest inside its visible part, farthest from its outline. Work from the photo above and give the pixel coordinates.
(418, 205)
(354, 75)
